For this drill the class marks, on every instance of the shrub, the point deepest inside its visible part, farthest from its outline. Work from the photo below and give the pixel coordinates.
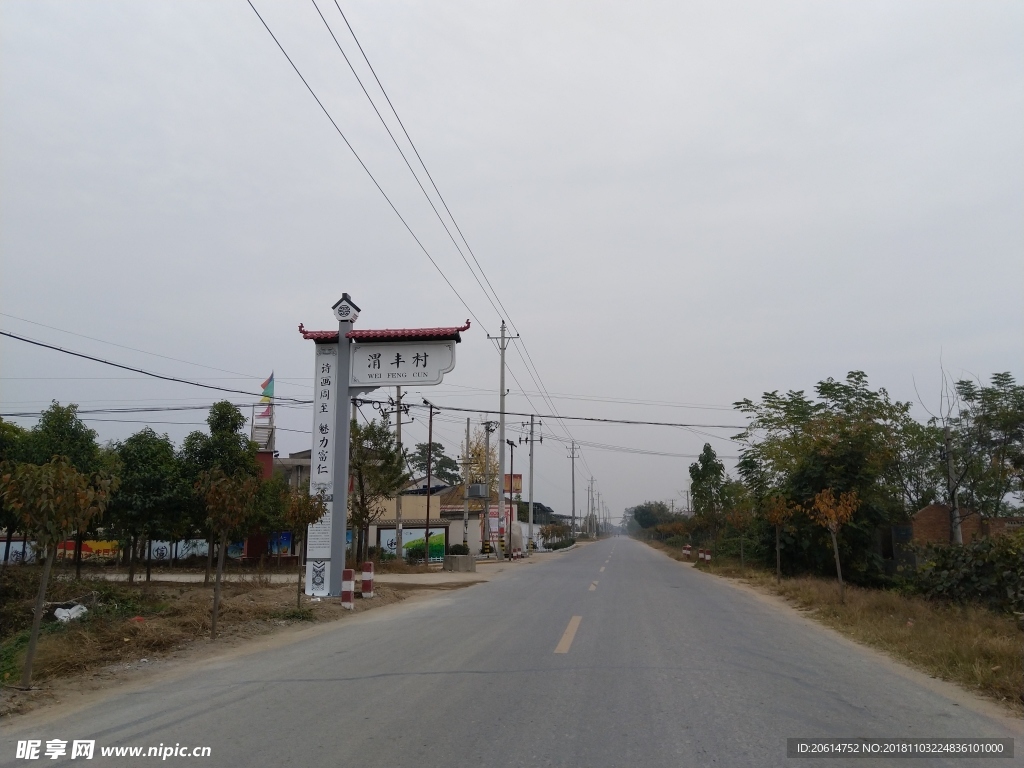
(458, 549)
(988, 570)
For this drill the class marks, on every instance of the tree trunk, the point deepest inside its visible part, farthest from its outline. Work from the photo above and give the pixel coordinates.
(174, 554)
(778, 557)
(209, 558)
(7, 544)
(149, 557)
(839, 569)
(79, 538)
(298, 594)
(37, 619)
(216, 588)
(131, 560)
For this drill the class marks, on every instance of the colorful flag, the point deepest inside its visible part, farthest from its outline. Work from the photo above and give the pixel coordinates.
(268, 389)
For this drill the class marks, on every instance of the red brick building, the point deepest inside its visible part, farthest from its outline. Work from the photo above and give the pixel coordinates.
(931, 525)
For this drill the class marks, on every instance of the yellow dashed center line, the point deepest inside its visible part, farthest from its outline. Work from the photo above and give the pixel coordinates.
(602, 569)
(570, 633)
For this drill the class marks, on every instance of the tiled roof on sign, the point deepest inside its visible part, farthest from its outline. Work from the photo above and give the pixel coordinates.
(388, 334)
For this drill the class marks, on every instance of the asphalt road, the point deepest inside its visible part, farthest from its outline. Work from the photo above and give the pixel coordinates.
(664, 666)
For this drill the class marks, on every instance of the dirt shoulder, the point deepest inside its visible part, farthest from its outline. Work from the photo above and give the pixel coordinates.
(133, 632)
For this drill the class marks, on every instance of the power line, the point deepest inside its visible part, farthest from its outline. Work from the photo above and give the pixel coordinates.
(363, 165)
(122, 346)
(571, 418)
(537, 379)
(395, 142)
(139, 370)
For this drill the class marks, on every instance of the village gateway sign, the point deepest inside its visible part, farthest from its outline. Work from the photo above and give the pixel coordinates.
(349, 363)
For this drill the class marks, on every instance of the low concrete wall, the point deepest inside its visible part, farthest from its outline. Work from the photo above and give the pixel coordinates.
(459, 563)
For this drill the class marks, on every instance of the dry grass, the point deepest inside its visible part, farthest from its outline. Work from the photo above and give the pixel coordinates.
(129, 622)
(969, 645)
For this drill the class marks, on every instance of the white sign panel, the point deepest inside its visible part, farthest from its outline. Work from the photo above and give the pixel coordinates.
(318, 577)
(401, 363)
(321, 467)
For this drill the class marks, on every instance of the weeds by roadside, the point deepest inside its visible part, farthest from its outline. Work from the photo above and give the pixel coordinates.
(977, 648)
(128, 622)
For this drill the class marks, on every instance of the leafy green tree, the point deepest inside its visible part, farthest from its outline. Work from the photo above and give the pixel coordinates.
(378, 473)
(227, 448)
(60, 432)
(989, 452)
(150, 501)
(53, 500)
(848, 438)
(707, 489)
(11, 441)
(650, 513)
(442, 466)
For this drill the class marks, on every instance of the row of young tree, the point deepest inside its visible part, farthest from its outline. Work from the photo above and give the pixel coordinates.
(821, 479)
(56, 482)
(159, 492)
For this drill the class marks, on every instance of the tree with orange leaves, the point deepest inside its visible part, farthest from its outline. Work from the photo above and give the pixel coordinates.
(832, 514)
(777, 513)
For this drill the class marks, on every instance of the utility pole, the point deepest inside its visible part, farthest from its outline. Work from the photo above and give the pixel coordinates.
(511, 495)
(530, 440)
(398, 496)
(466, 462)
(956, 532)
(503, 341)
(430, 445)
(573, 456)
(590, 507)
(489, 427)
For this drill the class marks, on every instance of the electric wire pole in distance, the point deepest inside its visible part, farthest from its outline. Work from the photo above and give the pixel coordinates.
(573, 455)
(531, 440)
(503, 341)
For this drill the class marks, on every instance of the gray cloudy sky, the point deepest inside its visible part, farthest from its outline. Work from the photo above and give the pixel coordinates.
(682, 202)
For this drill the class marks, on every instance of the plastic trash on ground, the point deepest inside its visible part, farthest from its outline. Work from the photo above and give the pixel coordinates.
(67, 614)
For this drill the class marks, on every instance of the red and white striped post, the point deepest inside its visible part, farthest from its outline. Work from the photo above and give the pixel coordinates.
(707, 556)
(348, 588)
(367, 583)
(686, 551)
(700, 554)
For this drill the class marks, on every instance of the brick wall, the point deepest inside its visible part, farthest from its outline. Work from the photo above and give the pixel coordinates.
(931, 525)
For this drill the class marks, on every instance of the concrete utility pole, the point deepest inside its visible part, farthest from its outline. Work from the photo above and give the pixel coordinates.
(466, 462)
(430, 445)
(956, 532)
(530, 439)
(398, 496)
(572, 455)
(590, 507)
(513, 512)
(503, 341)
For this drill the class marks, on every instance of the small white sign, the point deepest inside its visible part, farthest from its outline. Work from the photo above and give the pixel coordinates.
(421, 363)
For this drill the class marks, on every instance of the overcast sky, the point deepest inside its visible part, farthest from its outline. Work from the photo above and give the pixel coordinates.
(681, 202)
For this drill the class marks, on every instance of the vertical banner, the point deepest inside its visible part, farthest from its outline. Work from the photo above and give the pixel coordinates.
(321, 468)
